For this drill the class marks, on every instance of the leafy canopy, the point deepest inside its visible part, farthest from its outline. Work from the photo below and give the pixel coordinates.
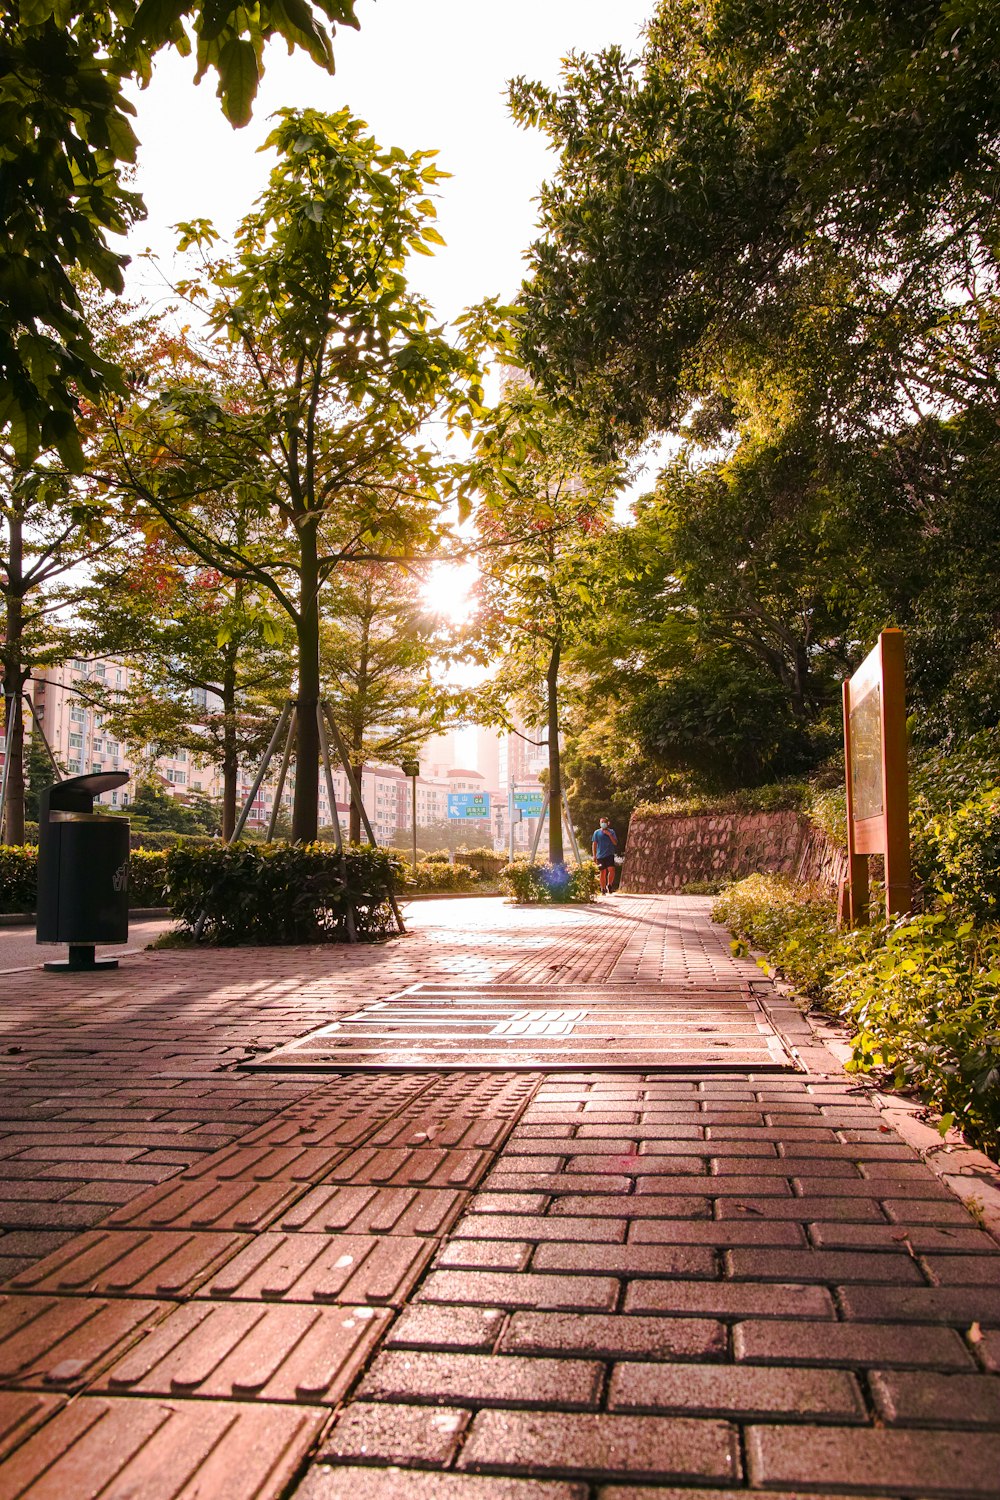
(66, 147)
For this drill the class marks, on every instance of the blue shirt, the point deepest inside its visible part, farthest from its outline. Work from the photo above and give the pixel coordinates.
(606, 845)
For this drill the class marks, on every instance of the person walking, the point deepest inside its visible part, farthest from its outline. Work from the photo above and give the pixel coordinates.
(604, 847)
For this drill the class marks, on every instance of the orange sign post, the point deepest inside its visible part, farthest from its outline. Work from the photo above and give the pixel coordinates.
(878, 810)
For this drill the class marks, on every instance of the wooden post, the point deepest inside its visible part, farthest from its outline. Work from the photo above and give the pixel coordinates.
(895, 790)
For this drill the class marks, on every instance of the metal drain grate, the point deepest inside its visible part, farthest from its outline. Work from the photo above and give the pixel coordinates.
(510, 1027)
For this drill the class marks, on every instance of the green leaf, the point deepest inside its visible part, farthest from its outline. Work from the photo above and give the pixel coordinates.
(239, 78)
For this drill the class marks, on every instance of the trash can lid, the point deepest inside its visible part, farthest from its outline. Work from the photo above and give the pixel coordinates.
(65, 795)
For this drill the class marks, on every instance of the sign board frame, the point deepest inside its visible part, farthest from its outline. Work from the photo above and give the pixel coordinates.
(878, 809)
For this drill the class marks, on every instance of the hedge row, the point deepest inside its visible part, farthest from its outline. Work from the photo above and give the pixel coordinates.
(19, 878)
(430, 876)
(282, 893)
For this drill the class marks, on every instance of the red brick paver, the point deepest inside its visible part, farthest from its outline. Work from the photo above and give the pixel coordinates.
(469, 1285)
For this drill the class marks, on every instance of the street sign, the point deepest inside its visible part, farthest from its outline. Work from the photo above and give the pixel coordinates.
(468, 804)
(529, 803)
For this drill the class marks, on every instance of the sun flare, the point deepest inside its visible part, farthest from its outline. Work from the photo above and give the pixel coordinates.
(448, 588)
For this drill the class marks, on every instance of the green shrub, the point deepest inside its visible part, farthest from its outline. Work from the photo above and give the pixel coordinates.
(827, 808)
(550, 884)
(959, 854)
(794, 924)
(147, 877)
(926, 1004)
(431, 876)
(779, 796)
(18, 877)
(157, 839)
(282, 893)
(922, 994)
(487, 861)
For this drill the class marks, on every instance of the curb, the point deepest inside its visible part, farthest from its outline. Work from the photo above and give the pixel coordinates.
(27, 918)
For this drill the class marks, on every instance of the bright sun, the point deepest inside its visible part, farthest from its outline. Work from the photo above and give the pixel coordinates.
(448, 588)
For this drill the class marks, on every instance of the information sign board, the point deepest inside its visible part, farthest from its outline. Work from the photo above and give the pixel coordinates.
(468, 804)
(875, 762)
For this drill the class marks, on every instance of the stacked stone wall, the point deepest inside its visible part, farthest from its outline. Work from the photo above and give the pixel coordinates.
(666, 853)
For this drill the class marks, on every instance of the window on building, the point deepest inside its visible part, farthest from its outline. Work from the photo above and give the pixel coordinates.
(77, 713)
(98, 747)
(76, 741)
(74, 766)
(96, 766)
(99, 669)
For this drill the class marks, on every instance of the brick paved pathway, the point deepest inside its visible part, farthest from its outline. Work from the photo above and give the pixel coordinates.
(462, 1285)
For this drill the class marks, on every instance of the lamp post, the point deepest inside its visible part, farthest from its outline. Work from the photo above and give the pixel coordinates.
(411, 768)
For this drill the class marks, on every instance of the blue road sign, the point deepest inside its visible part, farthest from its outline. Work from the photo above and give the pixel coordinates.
(468, 804)
(529, 803)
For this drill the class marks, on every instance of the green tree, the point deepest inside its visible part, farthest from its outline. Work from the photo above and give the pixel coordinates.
(376, 644)
(546, 508)
(38, 774)
(53, 528)
(208, 657)
(67, 150)
(154, 810)
(811, 189)
(323, 371)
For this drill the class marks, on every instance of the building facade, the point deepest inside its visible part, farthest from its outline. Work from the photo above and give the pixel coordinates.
(74, 725)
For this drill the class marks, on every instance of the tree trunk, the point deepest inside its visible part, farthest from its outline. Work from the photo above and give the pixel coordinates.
(556, 856)
(14, 677)
(360, 705)
(230, 758)
(305, 813)
(357, 766)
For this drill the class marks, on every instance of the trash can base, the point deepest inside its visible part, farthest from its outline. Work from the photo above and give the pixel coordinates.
(81, 960)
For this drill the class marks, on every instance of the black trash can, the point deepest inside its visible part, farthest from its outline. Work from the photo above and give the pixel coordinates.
(82, 870)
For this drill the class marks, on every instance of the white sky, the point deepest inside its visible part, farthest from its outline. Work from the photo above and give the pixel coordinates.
(425, 76)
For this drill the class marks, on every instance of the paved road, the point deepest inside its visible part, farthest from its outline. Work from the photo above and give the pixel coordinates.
(468, 1284)
(18, 949)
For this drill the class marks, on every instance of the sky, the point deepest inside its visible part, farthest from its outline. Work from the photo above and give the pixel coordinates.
(425, 75)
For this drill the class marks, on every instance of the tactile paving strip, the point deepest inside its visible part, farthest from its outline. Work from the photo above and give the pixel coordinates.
(345, 1268)
(530, 1027)
(130, 1263)
(60, 1343)
(163, 1450)
(241, 1350)
(372, 1210)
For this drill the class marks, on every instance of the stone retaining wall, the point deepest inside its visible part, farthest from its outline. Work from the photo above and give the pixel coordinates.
(665, 853)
